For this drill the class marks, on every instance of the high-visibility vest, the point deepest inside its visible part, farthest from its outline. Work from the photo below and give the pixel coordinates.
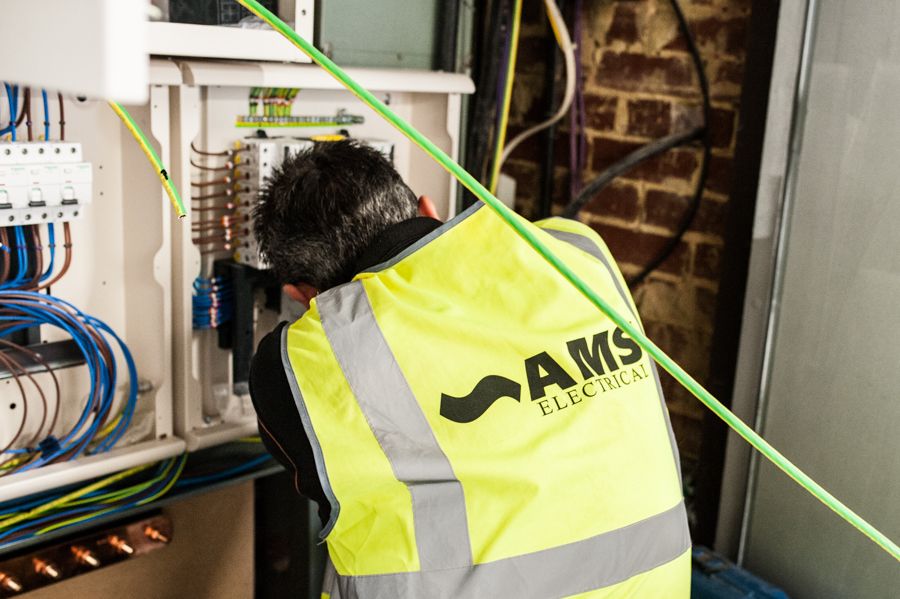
(480, 429)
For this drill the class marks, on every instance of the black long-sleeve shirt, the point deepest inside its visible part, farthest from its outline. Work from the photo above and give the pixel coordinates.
(279, 422)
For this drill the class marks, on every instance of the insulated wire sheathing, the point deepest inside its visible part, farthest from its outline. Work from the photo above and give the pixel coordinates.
(142, 140)
(558, 24)
(507, 95)
(518, 224)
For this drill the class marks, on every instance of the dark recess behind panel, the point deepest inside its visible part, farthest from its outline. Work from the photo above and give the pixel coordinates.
(735, 260)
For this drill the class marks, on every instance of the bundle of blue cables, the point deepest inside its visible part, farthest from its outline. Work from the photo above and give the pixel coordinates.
(26, 309)
(12, 98)
(212, 302)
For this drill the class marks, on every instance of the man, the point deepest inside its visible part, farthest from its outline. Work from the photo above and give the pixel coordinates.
(467, 422)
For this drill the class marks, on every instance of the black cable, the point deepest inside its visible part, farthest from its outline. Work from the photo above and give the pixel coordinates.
(657, 148)
(621, 167)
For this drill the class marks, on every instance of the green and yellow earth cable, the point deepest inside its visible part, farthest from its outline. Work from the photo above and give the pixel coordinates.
(513, 220)
(142, 140)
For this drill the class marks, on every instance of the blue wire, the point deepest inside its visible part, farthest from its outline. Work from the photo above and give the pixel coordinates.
(51, 236)
(45, 309)
(199, 480)
(46, 116)
(12, 95)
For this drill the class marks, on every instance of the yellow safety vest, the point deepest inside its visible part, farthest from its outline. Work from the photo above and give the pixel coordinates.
(481, 430)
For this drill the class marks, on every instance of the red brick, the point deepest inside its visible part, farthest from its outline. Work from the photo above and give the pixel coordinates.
(686, 116)
(719, 176)
(600, 111)
(706, 301)
(720, 36)
(631, 247)
(631, 71)
(624, 25)
(722, 122)
(618, 200)
(708, 261)
(606, 151)
(679, 163)
(649, 118)
(726, 80)
(665, 209)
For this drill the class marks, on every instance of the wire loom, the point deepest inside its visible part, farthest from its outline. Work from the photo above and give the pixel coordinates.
(97, 429)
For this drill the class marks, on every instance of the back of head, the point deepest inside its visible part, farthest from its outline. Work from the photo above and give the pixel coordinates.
(323, 207)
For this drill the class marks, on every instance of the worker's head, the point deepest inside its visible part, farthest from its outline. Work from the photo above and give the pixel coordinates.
(322, 208)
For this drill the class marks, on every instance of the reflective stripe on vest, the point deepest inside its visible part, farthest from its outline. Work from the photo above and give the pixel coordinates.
(365, 363)
(396, 420)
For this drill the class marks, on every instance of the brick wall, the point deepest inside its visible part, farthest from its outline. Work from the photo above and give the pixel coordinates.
(640, 85)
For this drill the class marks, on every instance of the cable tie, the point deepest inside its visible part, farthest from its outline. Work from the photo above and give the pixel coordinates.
(164, 174)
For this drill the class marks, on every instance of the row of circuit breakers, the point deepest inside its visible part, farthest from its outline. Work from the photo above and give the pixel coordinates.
(42, 182)
(258, 160)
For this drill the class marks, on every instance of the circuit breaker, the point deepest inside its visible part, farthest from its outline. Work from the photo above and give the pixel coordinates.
(42, 182)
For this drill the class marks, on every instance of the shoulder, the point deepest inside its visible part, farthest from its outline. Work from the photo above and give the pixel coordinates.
(269, 348)
(570, 227)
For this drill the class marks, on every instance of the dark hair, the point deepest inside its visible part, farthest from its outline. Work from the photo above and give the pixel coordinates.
(323, 207)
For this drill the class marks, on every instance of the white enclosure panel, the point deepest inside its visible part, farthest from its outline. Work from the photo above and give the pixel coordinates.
(96, 48)
(832, 404)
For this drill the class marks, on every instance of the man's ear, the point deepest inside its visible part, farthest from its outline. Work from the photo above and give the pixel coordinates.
(301, 293)
(426, 208)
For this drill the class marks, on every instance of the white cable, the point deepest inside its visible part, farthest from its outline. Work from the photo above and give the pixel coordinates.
(568, 49)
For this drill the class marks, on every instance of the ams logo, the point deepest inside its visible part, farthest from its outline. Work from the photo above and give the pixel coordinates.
(607, 363)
